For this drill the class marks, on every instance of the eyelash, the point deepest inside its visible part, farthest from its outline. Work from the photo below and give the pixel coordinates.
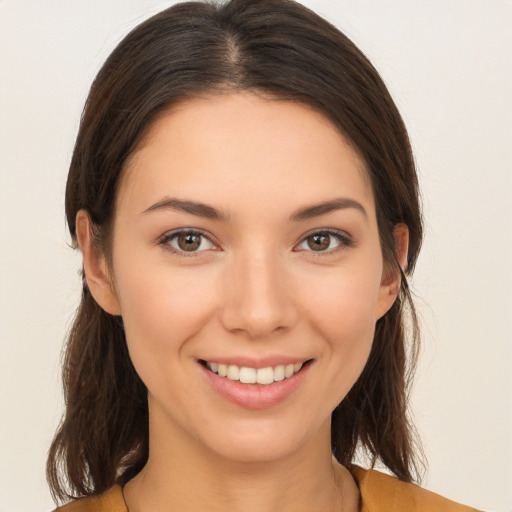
(345, 241)
(167, 238)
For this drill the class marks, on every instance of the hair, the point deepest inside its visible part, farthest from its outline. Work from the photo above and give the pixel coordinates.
(283, 50)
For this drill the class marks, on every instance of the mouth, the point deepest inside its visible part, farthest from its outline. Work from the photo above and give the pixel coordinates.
(247, 375)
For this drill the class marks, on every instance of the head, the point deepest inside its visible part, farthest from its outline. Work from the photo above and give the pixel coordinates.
(270, 54)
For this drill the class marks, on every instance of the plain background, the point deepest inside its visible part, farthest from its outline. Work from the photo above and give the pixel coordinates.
(448, 64)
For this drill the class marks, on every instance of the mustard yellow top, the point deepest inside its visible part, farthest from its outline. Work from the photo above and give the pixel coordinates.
(379, 493)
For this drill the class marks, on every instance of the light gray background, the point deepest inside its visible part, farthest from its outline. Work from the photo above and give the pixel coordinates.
(448, 64)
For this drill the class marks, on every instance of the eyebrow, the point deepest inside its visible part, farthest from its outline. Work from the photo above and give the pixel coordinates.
(193, 207)
(209, 212)
(340, 203)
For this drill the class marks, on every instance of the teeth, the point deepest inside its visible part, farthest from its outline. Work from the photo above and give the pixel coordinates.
(279, 373)
(233, 372)
(265, 375)
(247, 375)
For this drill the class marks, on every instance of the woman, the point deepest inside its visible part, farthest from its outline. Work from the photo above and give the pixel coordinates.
(244, 196)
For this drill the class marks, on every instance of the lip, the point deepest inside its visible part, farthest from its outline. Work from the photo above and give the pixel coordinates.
(256, 396)
(257, 363)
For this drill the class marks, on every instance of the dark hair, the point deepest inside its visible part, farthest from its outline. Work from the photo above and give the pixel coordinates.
(283, 50)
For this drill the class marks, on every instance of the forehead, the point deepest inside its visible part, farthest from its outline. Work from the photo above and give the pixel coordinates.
(244, 148)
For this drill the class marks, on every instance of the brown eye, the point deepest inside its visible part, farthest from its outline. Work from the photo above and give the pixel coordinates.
(325, 242)
(187, 242)
(319, 242)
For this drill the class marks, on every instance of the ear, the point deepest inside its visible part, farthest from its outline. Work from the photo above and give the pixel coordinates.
(391, 278)
(97, 275)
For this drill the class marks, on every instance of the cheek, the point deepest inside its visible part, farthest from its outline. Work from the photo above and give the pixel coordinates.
(351, 331)
(343, 311)
(162, 308)
(344, 303)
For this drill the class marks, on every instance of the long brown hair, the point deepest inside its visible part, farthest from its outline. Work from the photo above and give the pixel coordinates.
(281, 49)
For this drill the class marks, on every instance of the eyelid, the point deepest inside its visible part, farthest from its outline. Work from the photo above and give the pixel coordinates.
(345, 241)
(167, 237)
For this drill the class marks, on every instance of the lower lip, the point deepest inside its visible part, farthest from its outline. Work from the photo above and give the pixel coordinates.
(255, 396)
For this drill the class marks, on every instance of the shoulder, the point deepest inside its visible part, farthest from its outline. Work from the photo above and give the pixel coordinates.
(384, 493)
(110, 501)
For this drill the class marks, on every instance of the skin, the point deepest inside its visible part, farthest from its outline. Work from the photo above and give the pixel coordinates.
(254, 288)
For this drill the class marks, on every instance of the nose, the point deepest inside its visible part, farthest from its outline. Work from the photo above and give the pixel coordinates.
(258, 296)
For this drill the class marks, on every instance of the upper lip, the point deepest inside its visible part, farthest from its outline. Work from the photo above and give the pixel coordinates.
(251, 362)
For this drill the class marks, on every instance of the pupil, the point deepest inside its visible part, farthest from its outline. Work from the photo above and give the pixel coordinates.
(189, 242)
(319, 242)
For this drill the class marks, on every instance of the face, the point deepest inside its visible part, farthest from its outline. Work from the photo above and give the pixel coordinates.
(245, 242)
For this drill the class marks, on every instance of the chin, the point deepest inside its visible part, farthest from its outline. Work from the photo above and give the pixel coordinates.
(265, 441)
(258, 450)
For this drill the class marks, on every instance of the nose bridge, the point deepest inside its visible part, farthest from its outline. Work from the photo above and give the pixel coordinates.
(257, 297)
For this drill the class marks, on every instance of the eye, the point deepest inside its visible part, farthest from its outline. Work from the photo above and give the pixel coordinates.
(187, 241)
(325, 241)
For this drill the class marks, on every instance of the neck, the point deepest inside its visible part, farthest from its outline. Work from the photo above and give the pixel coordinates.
(188, 477)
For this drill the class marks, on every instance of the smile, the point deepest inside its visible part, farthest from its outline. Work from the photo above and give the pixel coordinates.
(247, 375)
(256, 388)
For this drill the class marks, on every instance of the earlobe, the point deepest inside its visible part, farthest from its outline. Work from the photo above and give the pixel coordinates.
(97, 276)
(392, 280)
